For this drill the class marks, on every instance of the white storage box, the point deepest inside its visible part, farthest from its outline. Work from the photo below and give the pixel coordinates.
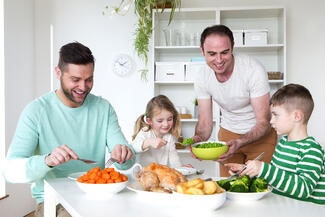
(238, 37)
(256, 37)
(169, 71)
(192, 69)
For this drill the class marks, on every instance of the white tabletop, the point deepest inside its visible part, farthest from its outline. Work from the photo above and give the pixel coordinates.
(129, 203)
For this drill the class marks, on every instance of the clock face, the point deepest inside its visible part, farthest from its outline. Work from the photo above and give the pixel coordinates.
(123, 65)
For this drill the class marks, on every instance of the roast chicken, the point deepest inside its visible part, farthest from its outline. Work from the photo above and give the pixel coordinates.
(159, 178)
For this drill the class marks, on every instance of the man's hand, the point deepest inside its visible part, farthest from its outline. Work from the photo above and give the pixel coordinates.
(60, 155)
(233, 146)
(253, 168)
(190, 148)
(121, 153)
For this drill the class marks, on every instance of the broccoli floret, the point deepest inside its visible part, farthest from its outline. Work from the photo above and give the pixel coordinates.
(224, 183)
(188, 141)
(246, 180)
(238, 185)
(259, 185)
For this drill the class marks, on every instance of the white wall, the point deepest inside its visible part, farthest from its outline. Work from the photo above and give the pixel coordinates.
(107, 37)
(19, 89)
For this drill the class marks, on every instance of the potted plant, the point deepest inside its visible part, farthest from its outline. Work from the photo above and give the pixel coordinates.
(196, 109)
(144, 10)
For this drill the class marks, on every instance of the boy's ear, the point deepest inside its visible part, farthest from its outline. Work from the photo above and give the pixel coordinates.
(298, 115)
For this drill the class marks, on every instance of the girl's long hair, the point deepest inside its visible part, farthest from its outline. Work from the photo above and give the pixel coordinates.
(158, 103)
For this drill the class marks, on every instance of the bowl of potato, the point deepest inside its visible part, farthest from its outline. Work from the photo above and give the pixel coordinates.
(198, 193)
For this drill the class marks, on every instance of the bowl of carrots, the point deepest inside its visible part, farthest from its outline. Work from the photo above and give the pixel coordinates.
(106, 181)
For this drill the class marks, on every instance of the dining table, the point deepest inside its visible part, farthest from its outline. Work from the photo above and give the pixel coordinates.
(129, 203)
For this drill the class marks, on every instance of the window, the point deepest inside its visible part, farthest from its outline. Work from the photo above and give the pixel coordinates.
(2, 98)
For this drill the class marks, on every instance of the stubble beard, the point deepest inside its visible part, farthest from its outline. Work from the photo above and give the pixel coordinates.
(70, 96)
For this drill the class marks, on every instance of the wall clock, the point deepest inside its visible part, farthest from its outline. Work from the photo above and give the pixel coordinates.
(123, 65)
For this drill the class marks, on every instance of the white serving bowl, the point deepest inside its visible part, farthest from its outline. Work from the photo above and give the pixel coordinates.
(102, 189)
(248, 196)
(200, 202)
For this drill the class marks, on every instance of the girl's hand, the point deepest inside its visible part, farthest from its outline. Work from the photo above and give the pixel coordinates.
(253, 168)
(154, 143)
(157, 143)
(188, 165)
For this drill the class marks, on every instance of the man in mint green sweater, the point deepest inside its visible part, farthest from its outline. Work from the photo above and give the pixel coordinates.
(62, 126)
(297, 169)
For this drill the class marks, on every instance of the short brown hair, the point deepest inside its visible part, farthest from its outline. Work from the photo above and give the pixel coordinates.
(294, 96)
(75, 53)
(217, 30)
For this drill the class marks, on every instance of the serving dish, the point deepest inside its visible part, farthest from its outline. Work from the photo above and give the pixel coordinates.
(209, 153)
(248, 196)
(184, 201)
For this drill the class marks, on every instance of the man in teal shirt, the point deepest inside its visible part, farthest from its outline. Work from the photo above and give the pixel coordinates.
(62, 126)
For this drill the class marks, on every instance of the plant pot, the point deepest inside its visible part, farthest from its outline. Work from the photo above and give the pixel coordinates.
(168, 4)
(196, 112)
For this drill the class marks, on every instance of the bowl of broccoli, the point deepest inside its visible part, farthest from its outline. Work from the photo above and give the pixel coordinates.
(209, 150)
(244, 188)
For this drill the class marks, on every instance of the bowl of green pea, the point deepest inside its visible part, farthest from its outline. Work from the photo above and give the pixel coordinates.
(209, 150)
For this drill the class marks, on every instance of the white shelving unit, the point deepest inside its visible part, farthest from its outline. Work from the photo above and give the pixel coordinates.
(190, 22)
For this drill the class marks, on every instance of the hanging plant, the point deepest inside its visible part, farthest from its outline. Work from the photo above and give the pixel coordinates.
(143, 32)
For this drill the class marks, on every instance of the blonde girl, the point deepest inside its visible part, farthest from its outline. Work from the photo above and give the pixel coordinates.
(155, 133)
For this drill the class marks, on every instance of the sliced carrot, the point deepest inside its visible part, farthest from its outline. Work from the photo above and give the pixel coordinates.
(114, 175)
(107, 175)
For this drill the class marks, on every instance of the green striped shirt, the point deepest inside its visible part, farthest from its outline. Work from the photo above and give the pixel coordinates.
(297, 170)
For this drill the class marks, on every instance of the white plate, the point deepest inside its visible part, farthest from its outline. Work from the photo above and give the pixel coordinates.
(190, 202)
(186, 171)
(75, 176)
(245, 197)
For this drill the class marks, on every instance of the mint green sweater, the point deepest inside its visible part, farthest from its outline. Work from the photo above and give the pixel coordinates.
(297, 170)
(47, 123)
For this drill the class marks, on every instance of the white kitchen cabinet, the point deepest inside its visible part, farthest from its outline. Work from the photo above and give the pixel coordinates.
(182, 45)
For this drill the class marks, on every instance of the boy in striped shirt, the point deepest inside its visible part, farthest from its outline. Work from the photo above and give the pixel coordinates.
(297, 166)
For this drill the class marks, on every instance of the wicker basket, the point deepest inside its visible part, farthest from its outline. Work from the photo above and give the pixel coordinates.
(274, 75)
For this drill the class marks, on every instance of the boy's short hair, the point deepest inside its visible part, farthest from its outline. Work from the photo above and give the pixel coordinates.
(294, 96)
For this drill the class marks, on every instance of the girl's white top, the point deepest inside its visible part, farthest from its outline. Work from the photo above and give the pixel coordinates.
(166, 155)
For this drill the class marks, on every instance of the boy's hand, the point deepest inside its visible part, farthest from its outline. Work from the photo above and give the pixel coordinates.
(234, 167)
(253, 168)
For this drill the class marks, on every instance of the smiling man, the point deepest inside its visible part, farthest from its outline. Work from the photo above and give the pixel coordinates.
(64, 125)
(239, 85)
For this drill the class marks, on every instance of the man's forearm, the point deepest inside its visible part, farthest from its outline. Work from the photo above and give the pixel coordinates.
(257, 132)
(202, 131)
